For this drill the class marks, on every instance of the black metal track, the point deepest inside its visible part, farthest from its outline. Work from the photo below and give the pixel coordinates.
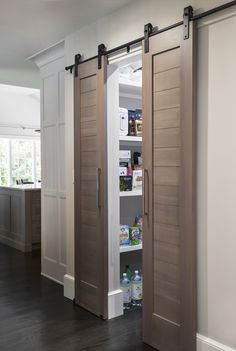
(214, 10)
(70, 68)
(139, 40)
(124, 46)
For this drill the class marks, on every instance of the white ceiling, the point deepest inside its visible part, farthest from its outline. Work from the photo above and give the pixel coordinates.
(19, 110)
(28, 26)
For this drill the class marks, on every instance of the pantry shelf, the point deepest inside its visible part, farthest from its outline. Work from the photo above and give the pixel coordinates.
(131, 193)
(131, 140)
(131, 248)
(130, 91)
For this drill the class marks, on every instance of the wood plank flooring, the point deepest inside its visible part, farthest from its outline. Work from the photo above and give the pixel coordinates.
(34, 315)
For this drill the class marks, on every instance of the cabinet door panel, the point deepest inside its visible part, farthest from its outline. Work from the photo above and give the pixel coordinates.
(90, 189)
(169, 249)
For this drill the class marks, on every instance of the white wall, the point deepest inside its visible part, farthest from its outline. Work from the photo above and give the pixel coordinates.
(216, 179)
(19, 107)
(221, 181)
(24, 78)
(216, 165)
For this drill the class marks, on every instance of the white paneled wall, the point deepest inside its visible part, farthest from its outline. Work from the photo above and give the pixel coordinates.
(52, 70)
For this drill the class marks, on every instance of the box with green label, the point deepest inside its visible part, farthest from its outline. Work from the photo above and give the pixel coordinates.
(134, 235)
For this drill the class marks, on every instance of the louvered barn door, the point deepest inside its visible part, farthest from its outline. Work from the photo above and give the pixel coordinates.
(169, 248)
(90, 188)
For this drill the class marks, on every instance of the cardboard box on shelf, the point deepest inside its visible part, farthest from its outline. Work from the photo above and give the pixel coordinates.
(125, 154)
(126, 183)
(137, 179)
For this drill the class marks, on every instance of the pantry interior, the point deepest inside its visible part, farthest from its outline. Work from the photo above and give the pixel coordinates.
(124, 159)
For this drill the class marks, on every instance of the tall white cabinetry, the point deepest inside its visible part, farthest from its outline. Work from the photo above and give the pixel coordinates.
(123, 206)
(52, 71)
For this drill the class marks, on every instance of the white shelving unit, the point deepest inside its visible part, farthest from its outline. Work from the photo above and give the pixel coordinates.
(130, 193)
(131, 91)
(131, 248)
(130, 140)
(123, 207)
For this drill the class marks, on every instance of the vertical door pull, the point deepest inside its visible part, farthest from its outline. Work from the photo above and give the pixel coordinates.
(146, 192)
(99, 187)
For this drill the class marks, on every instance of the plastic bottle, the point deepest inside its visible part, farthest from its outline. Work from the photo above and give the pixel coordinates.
(126, 288)
(137, 289)
(128, 272)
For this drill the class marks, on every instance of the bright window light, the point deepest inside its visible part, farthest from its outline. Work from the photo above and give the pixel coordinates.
(19, 159)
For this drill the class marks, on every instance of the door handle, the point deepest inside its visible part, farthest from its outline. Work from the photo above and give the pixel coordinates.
(99, 187)
(146, 192)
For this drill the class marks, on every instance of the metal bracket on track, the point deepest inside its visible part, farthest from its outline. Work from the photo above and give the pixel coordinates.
(188, 15)
(101, 52)
(77, 61)
(148, 30)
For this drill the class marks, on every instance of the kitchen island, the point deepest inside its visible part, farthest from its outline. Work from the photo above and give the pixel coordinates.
(20, 217)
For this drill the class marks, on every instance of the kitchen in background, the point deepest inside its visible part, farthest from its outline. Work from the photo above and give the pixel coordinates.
(20, 167)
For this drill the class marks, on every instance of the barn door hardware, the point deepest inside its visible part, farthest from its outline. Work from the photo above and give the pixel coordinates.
(101, 52)
(148, 31)
(77, 61)
(188, 15)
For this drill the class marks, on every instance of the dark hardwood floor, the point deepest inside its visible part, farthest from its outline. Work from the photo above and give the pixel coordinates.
(34, 315)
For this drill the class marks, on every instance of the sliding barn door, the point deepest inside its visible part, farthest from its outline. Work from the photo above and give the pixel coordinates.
(90, 188)
(169, 249)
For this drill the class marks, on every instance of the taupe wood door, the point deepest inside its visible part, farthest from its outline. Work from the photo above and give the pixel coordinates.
(169, 248)
(90, 188)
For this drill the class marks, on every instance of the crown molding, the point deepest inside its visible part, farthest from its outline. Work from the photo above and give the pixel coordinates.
(48, 55)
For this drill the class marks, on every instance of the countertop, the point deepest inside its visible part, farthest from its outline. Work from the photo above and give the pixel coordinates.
(23, 187)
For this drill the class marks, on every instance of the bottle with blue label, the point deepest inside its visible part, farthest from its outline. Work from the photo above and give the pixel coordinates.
(126, 288)
(137, 289)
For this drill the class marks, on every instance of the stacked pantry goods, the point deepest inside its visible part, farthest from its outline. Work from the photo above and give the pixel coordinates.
(130, 170)
(130, 236)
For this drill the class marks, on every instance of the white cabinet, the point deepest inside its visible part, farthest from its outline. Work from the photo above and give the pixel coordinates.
(123, 206)
(52, 72)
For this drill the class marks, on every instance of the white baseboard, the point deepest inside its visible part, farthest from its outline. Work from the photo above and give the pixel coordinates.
(207, 344)
(18, 245)
(115, 298)
(51, 278)
(69, 286)
(115, 304)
